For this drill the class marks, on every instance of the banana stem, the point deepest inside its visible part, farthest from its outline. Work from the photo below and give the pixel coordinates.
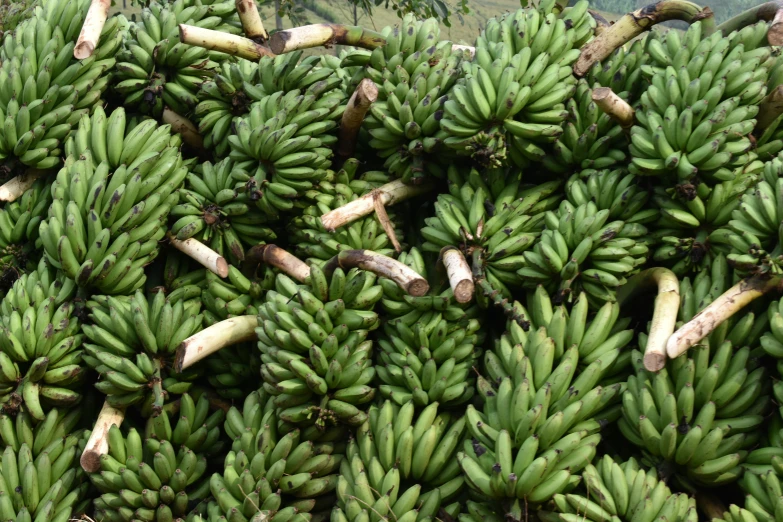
(184, 127)
(460, 277)
(728, 304)
(389, 194)
(200, 252)
(327, 35)
(493, 295)
(98, 443)
(469, 48)
(601, 23)
(224, 42)
(216, 337)
(710, 505)
(631, 25)
(769, 11)
(275, 256)
(388, 227)
(664, 320)
(384, 266)
(251, 21)
(361, 99)
(92, 28)
(769, 109)
(617, 108)
(17, 186)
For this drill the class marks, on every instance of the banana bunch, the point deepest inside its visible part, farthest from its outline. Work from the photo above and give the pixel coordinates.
(622, 70)
(772, 340)
(155, 70)
(41, 436)
(769, 140)
(580, 251)
(763, 498)
(511, 100)
(233, 371)
(314, 347)
(591, 139)
(698, 112)
(112, 200)
(285, 476)
(622, 492)
(404, 124)
(212, 211)
(47, 487)
(197, 428)
(314, 243)
(41, 356)
(236, 85)
(736, 514)
(132, 345)
(283, 146)
(151, 479)
(495, 223)
(768, 456)
(237, 295)
(622, 194)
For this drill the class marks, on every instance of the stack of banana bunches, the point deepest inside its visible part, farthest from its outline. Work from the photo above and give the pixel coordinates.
(348, 275)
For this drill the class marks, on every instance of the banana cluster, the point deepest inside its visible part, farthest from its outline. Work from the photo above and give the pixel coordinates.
(624, 491)
(132, 345)
(763, 497)
(511, 101)
(236, 295)
(44, 91)
(212, 211)
(736, 514)
(197, 428)
(40, 359)
(283, 145)
(155, 70)
(40, 436)
(621, 193)
(404, 125)
(236, 85)
(580, 250)
(314, 348)
(19, 223)
(698, 112)
(112, 200)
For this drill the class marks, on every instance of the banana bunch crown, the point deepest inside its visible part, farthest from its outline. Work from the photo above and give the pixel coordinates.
(622, 70)
(283, 144)
(622, 492)
(763, 497)
(132, 344)
(579, 250)
(237, 295)
(40, 357)
(614, 190)
(148, 479)
(46, 487)
(209, 208)
(40, 436)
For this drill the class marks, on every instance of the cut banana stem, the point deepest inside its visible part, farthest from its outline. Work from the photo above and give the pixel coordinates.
(200, 252)
(251, 20)
(318, 35)
(631, 25)
(709, 504)
(460, 277)
(619, 109)
(469, 48)
(384, 266)
(279, 258)
(383, 217)
(389, 194)
(769, 12)
(223, 42)
(664, 319)
(769, 109)
(98, 443)
(364, 96)
(732, 301)
(184, 127)
(92, 28)
(17, 186)
(215, 338)
(601, 23)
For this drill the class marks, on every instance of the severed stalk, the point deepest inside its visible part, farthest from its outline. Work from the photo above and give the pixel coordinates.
(631, 25)
(769, 11)
(200, 252)
(601, 23)
(365, 95)
(729, 303)
(98, 443)
(383, 218)
(92, 28)
(406, 277)
(617, 108)
(279, 258)
(460, 276)
(468, 48)
(664, 320)
(223, 42)
(216, 337)
(318, 35)
(251, 21)
(770, 109)
(184, 127)
(15, 187)
(389, 194)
